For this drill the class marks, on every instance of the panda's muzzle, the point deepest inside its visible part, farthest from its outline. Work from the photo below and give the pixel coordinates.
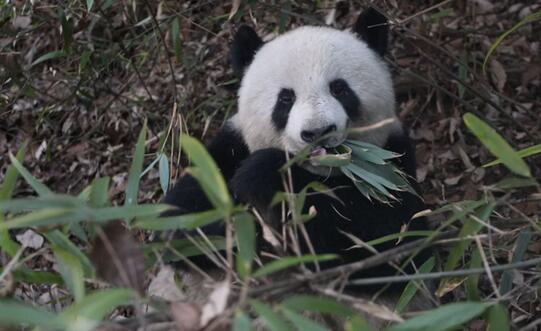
(312, 135)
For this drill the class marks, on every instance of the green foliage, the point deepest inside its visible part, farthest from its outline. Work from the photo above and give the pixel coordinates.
(286, 262)
(447, 317)
(526, 20)
(496, 145)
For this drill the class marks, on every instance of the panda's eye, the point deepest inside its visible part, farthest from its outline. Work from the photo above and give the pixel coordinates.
(286, 96)
(339, 88)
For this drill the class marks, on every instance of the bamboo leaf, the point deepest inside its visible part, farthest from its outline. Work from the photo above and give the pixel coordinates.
(88, 313)
(272, 320)
(16, 313)
(163, 169)
(286, 262)
(72, 272)
(528, 151)
(413, 286)
(136, 167)
(7, 244)
(526, 20)
(241, 322)
(498, 319)
(188, 221)
(49, 56)
(245, 232)
(175, 34)
(446, 317)
(302, 323)
(207, 174)
(496, 145)
(41, 189)
(521, 245)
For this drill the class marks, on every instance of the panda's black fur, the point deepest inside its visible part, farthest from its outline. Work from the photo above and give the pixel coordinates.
(254, 178)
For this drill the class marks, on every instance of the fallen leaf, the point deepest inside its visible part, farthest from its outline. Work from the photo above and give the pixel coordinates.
(118, 258)
(30, 239)
(163, 286)
(498, 74)
(216, 303)
(186, 316)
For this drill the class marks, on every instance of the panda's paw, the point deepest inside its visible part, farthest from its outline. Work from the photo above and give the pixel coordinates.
(258, 178)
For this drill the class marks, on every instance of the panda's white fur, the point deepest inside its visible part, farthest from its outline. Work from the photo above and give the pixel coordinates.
(306, 60)
(249, 150)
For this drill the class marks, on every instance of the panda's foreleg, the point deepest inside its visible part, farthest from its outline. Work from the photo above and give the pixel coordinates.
(228, 150)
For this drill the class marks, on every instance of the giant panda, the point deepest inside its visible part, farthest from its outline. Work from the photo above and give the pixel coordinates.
(308, 83)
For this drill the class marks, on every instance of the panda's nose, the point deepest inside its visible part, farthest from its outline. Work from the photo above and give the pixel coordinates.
(310, 136)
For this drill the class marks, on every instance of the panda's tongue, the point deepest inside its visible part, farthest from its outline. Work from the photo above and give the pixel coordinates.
(318, 150)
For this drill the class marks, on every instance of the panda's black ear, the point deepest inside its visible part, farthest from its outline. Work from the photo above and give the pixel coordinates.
(245, 43)
(372, 26)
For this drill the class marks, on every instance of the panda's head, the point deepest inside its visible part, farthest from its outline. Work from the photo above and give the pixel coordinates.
(311, 81)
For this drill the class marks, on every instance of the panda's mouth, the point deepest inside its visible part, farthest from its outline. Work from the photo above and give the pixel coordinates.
(318, 151)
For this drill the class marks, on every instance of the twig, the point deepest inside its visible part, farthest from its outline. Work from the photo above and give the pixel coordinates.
(444, 274)
(164, 44)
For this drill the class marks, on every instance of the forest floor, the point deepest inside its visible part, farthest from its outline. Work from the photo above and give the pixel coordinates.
(77, 86)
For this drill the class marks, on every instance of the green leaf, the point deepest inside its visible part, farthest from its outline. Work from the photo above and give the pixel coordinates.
(446, 317)
(521, 245)
(528, 151)
(7, 244)
(49, 56)
(510, 183)
(25, 275)
(188, 221)
(136, 167)
(498, 319)
(462, 75)
(175, 34)
(245, 232)
(472, 288)
(72, 272)
(399, 235)
(88, 313)
(286, 262)
(59, 239)
(317, 304)
(302, 323)
(163, 169)
(41, 189)
(412, 287)
(496, 145)
(40, 203)
(272, 320)
(67, 31)
(241, 322)
(99, 192)
(55, 216)
(322, 305)
(526, 20)
(175, 249)
(207, 174)
(89, 4)
(16, 313)
(470, 228)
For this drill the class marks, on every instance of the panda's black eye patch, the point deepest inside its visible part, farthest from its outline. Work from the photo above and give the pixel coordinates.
(284, 102)
(338, 88)
(341, 91)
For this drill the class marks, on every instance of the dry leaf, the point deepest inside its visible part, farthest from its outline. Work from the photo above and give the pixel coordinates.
(30, 239)
(163, 286)
(234, 9)
(216, 303)
(119, 260)
(186, 316)
(498, 74)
